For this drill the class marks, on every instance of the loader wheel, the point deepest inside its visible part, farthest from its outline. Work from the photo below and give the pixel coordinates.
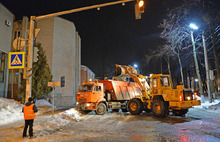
(101, 109)
(159, 108)
(180, 112)
(135, 106)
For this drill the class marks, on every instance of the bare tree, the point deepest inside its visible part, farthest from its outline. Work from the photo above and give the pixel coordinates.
(177, 34)
(163, 52)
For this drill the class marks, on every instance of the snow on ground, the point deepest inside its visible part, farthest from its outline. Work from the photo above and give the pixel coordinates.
(10, 111)
(63, 118)
(208, 105)
(56, 122)
(44, 106)
(42, 103)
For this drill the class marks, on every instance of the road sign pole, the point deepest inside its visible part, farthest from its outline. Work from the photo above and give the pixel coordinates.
(29, 58)
(53, 99)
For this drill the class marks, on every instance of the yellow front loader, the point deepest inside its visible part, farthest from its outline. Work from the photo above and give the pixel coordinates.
(159, 96)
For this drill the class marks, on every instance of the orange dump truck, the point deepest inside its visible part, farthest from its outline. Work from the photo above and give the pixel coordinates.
(106, 94)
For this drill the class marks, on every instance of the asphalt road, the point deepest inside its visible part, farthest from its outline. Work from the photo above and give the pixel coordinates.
(198, 125)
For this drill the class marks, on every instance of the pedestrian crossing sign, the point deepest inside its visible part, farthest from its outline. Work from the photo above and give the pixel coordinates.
(16, 60)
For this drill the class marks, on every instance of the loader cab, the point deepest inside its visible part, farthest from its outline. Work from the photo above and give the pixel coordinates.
(159, 82)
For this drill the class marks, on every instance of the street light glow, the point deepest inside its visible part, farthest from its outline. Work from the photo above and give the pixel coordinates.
(135, 65)
(193, 26)
(141, 3)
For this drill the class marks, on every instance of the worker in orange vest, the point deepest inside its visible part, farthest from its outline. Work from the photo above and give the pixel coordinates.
(29, 111)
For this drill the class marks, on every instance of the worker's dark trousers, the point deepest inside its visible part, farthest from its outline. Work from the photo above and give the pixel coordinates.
(30, 124)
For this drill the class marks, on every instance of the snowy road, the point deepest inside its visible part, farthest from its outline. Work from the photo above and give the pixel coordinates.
(198, 125)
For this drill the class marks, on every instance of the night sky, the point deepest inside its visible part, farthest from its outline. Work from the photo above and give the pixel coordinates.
(109, 36)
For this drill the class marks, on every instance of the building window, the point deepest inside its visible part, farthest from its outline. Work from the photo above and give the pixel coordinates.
(2, 66)
(17, 34)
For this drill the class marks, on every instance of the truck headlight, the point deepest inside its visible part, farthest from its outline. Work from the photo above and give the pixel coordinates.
(188, 98)
(87, 105)
(77, 103)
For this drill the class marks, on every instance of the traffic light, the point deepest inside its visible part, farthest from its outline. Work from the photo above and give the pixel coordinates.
(62, 80)
(139, 8)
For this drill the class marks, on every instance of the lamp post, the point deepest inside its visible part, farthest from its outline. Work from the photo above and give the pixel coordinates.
(206, 61)
(194, 27)
(207, 68)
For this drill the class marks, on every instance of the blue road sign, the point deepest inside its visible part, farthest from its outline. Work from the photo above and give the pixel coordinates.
(16, 60)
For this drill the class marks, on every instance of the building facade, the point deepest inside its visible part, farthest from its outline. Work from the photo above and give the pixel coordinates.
(63, 49)
(86, 74)
(6, 24)
(62, 45)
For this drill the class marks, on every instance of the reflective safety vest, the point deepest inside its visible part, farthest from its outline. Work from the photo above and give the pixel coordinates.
(29, 112)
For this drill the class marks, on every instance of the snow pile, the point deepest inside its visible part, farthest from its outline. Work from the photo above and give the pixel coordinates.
(55, 122)
(63, 118)
(43, 103)
(215, 105)
(43, 106)
(10, 111)
(198, 98)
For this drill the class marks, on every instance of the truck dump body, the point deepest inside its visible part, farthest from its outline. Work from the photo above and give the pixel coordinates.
(121, 90)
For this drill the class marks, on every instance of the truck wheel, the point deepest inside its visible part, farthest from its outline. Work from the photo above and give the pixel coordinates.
(101, 109)
(159, 108)
(135, 106)
(181, 112)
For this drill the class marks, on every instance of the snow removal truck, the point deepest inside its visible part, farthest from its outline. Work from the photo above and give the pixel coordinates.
(106, 94)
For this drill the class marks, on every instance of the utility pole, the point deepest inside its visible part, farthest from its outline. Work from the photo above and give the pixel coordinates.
(29, 58)
(31, 36)
(197, 69)
(206, 67)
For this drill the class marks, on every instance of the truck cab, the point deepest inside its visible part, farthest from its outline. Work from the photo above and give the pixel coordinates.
(89, 96)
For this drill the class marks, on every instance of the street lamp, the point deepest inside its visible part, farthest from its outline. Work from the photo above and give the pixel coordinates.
(135, 65)
(193, 26)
